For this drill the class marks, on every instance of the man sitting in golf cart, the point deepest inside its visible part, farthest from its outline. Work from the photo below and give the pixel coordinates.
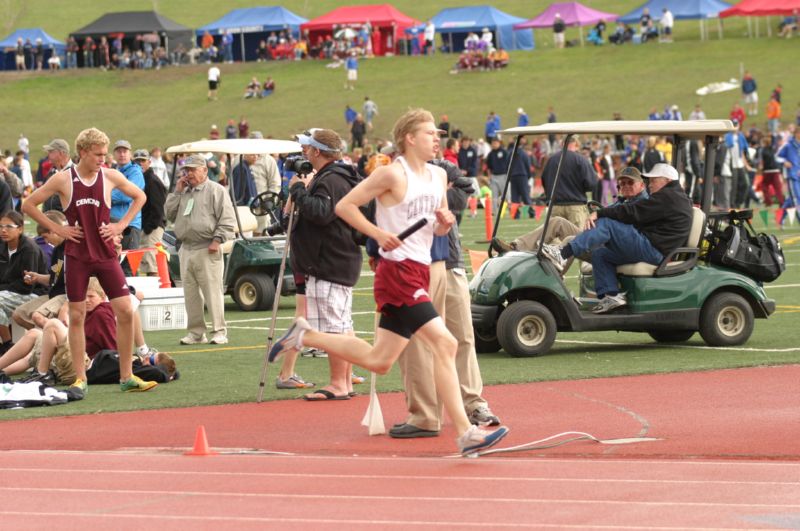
(642, 231)
(561, 230)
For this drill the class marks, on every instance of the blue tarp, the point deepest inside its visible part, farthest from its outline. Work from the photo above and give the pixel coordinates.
(9, 46)
(454, 24)
(681, 9)
(251, 25)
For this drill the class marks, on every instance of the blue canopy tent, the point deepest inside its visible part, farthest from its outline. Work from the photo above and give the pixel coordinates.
(252, 24)
(681, 10)
(454, 24)
(9, 46)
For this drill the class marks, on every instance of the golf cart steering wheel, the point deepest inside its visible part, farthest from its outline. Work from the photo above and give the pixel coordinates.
(267, 204)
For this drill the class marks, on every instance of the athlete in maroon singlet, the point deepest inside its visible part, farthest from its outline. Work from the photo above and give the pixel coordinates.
(85, 193)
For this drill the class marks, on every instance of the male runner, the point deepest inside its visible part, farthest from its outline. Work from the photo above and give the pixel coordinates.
(85, 192)
(407, 190)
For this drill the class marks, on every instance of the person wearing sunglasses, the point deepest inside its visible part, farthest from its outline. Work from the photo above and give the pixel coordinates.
(18, 254)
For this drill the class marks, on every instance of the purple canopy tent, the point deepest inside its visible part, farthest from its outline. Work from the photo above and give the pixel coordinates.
(572, 13)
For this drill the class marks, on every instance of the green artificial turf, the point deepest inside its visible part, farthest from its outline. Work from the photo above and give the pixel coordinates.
(231, 373)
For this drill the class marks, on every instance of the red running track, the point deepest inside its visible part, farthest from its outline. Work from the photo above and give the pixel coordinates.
(728, 457)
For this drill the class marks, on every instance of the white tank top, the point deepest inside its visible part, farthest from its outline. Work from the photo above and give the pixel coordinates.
(423, 197)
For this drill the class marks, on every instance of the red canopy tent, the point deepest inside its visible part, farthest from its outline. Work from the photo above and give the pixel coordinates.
(761, 8)
(387, 24)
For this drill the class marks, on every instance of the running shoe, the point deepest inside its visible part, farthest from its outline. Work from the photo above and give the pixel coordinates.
(219, 339)
(483, 416)
(289, 340)
(48, 378)
(476, 439)
(134, 384)
(191, 339)
(293, 382)
(553, 253)
(610, 302)
(356, 379)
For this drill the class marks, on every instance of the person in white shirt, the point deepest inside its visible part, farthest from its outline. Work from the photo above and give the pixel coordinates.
(158, 166)
(24, 145)
(213, 82)
(667, 21)
(697, 113)
(429, 35)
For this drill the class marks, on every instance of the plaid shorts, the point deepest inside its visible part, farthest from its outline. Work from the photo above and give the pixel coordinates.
(329, 306)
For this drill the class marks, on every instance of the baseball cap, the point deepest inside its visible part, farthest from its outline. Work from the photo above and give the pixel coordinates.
(141, 154)
(57, 144)
(194, 161)
(256, 134)
(122, 144)
(520, 111)
(631, 173)
(663, 170)
(306, 138)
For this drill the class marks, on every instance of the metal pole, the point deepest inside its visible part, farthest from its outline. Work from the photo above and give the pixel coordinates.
(244, 52)
(505, 192)
(708, 179)
(564, 148)
(275, 305)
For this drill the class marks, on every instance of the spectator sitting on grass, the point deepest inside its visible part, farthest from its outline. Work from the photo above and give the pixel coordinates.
(268, 88)
(47, 351)
(251, 91)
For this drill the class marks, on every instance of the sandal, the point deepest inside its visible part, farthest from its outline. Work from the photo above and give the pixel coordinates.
(326, 395)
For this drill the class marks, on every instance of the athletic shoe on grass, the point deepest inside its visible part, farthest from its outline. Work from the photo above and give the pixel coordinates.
(191, 339)
(476, 439)
(134, 384)
(289, 340)
(219, 339)
(483, 416)
(292, 382)
(48, 378)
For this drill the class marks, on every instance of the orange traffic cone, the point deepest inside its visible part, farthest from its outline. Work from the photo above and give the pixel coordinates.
(162, 263)
(200, 443)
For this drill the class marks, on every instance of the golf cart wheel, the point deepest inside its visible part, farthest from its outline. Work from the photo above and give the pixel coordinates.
(254, 291)
(671, 336)
(726, 320)
(526, 329)
(486, 341)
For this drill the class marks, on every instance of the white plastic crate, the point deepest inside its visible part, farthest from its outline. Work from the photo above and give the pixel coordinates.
(163, 314)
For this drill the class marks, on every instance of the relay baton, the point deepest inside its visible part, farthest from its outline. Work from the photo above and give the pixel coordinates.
(412, 229)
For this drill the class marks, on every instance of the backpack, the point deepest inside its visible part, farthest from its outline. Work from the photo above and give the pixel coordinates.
(738, 246)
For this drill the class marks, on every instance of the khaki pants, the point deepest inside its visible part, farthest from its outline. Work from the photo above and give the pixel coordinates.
(451, 300)
(577, 214)
(557, 230)
(148, 264)
(201, 276)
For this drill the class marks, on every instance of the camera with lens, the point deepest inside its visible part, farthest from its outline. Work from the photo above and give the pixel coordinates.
(280, 226)
(298, 164)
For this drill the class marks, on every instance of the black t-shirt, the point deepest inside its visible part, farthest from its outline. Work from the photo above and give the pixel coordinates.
(57, 286)
(559, 26)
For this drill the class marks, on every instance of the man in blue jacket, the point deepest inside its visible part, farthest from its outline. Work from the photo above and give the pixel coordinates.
(789, 154)
(120, 203)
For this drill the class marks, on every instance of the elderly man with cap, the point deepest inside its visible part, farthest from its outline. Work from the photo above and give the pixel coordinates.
(203, 219)
(120, 203)
(153, 220)
(641, 231)
(58, 155)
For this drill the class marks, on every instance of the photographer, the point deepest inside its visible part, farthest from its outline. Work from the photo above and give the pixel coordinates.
(323, 248)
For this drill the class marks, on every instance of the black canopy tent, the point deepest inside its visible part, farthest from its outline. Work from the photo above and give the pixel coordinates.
(133, 23)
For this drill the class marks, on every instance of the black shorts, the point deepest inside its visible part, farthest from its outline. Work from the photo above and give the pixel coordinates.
(406, 320)
(212, 85)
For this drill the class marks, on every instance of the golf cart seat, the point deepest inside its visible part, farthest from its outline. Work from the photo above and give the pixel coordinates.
(672, 265)
(249, 224)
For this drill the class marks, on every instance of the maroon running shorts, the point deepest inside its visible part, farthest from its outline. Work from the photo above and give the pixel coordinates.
(108, 272)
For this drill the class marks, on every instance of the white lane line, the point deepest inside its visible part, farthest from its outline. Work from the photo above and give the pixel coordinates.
(394, 477)
(437, 499)
(374, 523)
(661, 345)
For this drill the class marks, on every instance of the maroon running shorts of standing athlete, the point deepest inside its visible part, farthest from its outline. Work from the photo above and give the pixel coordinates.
(108, 272)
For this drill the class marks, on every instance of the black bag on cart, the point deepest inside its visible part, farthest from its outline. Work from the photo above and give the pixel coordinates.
(740, 247)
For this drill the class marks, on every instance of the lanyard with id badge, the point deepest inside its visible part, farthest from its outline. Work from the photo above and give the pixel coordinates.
(189, 206)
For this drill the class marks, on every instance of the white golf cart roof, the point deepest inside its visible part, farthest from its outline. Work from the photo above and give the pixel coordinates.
(685, 129)
(238, 146)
